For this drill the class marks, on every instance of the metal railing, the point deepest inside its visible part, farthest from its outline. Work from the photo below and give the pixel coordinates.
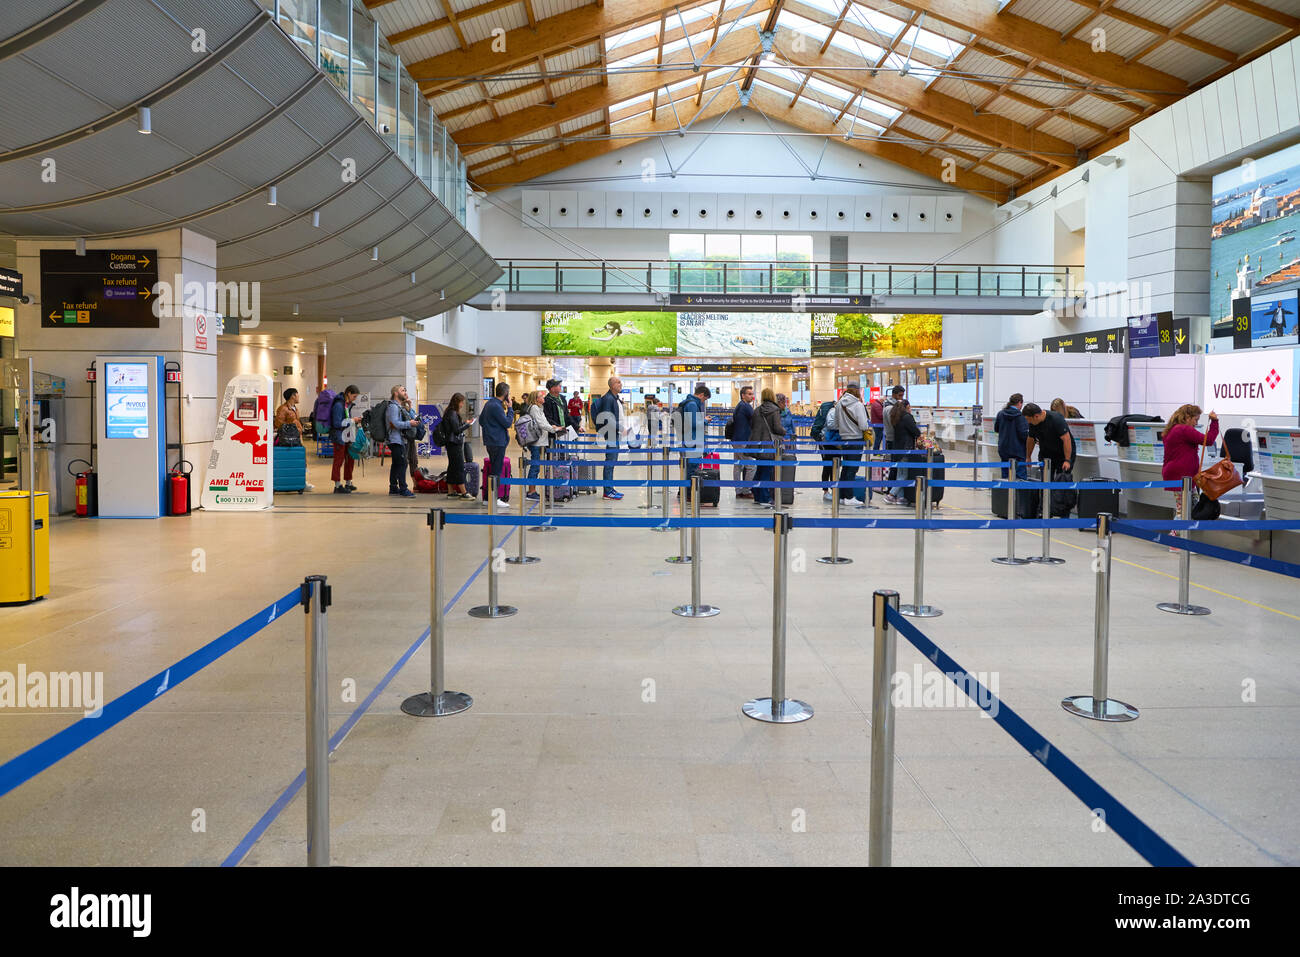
(777, 278)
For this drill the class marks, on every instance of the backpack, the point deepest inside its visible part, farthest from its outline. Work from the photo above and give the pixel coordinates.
(729, 430)
(288, 436)
(526, 430)
(324, 402)
(439, 435)
(375, 421)
(819, 423)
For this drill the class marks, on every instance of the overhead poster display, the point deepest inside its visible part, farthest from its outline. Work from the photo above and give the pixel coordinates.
(609, 333)
(1253, 248)
(1273, 320)
(760, 334)
(908, 335)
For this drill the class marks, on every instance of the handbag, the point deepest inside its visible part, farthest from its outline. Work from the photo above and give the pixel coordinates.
(1206, 509)
(1219, 478)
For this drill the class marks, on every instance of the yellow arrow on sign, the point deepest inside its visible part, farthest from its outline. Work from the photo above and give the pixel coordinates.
(144, 261)
(144, 292)
(55, 314)
(1180, 338)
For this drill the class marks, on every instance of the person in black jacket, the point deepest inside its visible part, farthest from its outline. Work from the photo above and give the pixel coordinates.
(1012, 429)
(906, 432)
(456, 430)
(553, 407)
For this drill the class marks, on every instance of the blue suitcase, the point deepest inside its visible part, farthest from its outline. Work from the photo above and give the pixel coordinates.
(289, 468)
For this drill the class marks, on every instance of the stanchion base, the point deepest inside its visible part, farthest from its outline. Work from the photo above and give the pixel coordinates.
(678, 559)
(925, 611)
(835, 560)
(1005, 560)
(787, 711)
(1107, 709)
(1176, 609)
(695, 611)
(1050, 560)
(524, 560)
(541, 528)
(492, 611)
(425, 705)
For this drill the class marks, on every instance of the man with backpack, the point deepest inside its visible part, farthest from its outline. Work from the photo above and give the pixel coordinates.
(606, 413)
(395, 428)
(340, 419)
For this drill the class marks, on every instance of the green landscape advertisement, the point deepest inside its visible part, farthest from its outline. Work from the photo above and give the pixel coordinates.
(609, 333)
(909, 335)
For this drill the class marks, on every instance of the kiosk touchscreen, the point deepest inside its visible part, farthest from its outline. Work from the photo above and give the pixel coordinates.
(130, 436)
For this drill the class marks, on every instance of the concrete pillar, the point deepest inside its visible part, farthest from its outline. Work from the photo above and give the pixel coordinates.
(372, 361)
(821, 382)
(184, 257)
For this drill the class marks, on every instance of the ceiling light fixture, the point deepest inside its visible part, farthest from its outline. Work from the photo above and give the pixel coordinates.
(143, 118)
(315, 218)
(270, 196)
(374, 254)
(81, 246)
(295, 309)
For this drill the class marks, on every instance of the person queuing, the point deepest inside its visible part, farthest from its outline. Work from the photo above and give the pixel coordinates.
(557, 414)
(853, 421)
(575, 411)
(340, 418)
(876, 409)
(606, 414)
(1012, 429)
(287, 414)
(691, 425)
(1183, 452)
(537, 410)
(742, 418)
(787, 417)
(411, 414)
(495, 422)
(399, 427)
(1065, 411)
(1049, 433)
(455, 429)
(895, 396)
(767, 427)
(906, 432)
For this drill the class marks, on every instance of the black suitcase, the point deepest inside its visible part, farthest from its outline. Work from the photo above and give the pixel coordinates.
(936, 494)
(1094, 501)
(999, 502)
(785, 473)
(1029, 503)
(709, 495)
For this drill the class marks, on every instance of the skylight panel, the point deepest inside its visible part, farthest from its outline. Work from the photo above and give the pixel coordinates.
(643, 57)
(875, 106)
(837, 93)
(932, 42)
(881, 23)
(832, 7)
(853, 45)
(792, 21)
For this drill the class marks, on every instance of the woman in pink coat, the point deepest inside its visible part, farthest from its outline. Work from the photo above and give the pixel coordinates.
(1183, 450)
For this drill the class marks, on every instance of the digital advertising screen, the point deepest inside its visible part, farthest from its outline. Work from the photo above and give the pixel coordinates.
(1274, 320)
(609, 334)
(857, 334)
(1253, 247)
(758, 334)
(126, 400)
(1144, 334)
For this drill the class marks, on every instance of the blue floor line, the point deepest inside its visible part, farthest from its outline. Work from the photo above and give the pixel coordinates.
(289, 793)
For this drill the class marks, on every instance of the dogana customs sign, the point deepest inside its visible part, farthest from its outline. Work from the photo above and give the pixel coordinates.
(104, 289)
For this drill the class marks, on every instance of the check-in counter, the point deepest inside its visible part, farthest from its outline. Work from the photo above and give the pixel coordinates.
(1277, 469)
(1094, 455)
(953, 426)
(1142, 462)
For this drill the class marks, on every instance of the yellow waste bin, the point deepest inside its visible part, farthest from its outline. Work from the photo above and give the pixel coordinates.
(16, 557)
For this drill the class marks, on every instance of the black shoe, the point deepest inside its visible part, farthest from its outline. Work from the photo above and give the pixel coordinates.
(341, 490)
(394, 491)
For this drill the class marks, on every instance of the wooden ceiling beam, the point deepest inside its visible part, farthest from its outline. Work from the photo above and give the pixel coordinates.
(1266, 13)
(1107, 8)
(443, 23)
(717, 23)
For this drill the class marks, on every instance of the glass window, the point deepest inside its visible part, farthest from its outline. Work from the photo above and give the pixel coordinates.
(387, 93)
(685, 245)
(298, 20)
(757, 248)
(794, 248)
(425, 164)
(363, 64)
(721, 246)
(406, 122)
(335, 20)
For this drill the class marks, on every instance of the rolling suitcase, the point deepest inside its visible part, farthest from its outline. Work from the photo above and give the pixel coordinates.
(999, 503)
(289, 469)
(471, 475)
(1094, 501)
(503, 493)
(709, 494)
(563, 471)
(785, 473)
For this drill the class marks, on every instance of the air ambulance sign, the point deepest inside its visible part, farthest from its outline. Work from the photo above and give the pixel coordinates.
(239, 471)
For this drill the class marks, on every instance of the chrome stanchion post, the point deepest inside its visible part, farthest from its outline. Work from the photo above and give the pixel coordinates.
(681, 558)
(1046, 558)
(437, 701)
(696, 609)
(1097, 705)
(650, 474)
(545, 499)
(918, 608)
(492, 609)
(523, 558)
(834, 557)
(1183, 606)
(664, 497)
(1010, 557)
(778, 709)
(315, 597)
(882, 730)
(649, 477)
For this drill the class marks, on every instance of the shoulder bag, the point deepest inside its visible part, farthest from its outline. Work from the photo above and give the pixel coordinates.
(1219, 478)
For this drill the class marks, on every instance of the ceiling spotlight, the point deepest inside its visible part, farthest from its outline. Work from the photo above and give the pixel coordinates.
(442, 294)
(81, 246)
(143, 119)
(315, 218)
(295, 309)
(270, 196)
(412, 279)
(374, 254)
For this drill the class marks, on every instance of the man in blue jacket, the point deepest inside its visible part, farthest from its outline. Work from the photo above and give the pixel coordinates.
(606, 413)
(691, 430)
(743, 418)
(1012, 430)
(495, 422)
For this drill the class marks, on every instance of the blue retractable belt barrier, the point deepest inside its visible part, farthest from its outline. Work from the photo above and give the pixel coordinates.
(597, 483)
(1212, 551)
(1007, 483)
(798, 521)
(57, 747)
(843, 483)
(1155, 850)
(607, 521)
(1225, 524)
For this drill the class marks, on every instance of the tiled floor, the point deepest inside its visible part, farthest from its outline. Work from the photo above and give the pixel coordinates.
(605, 730)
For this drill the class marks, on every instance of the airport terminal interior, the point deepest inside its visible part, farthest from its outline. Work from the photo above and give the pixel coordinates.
(596, 432)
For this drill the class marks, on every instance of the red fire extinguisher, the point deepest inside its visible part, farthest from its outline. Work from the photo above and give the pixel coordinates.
(87, 489)
(178, 489)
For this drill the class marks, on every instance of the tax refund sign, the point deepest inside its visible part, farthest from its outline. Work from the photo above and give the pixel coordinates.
(239, 470)
(1253, 383)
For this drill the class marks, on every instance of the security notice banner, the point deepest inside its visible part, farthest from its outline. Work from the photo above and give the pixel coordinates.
(239, 470)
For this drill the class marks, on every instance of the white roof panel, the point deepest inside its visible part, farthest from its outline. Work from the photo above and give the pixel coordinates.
(1060, 126)
(1122, 39)
(1235, 29)
(406, 14)
(480, 28)
(1182, 61)
(428, 45)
